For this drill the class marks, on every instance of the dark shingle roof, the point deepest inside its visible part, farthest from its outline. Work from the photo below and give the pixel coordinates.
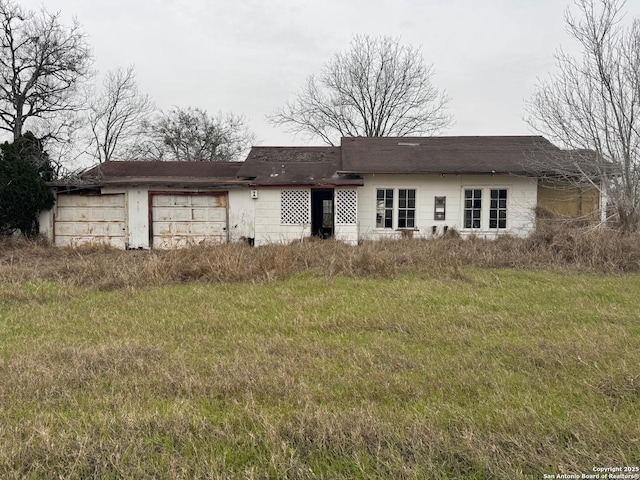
(334, 166)
(295, 166)
(517, 154)
(165, 173)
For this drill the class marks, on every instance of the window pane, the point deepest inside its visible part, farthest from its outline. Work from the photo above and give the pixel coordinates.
(411, 220)
(384, 208)
(498, 208)
(406, 208)
(472, 208)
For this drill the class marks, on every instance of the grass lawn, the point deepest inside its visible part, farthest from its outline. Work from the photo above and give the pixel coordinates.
(491, 374)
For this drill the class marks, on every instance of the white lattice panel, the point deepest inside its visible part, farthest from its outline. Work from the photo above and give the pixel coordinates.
(346, 206)
(294, 207)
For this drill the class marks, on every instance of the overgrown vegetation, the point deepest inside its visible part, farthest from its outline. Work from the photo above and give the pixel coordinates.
(413, 361)
(585, 249)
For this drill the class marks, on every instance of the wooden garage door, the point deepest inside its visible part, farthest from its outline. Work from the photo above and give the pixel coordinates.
(180, 220)
(90, 219)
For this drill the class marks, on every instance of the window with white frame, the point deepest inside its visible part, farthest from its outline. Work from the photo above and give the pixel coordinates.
(406, 208)
(396, 208)
(473, 208)
(384, 208)
(498, 208)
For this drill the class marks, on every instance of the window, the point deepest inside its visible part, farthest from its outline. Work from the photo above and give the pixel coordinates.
(384, 208)
(327, 213)
(498, 208)
(472, 208)
(439, 208)
(406, 208)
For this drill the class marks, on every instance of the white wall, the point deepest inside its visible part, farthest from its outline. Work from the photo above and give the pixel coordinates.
(522, 198)
(242, 214)
(260, 218)
(138, 217)
(45, 221)
(268, 228)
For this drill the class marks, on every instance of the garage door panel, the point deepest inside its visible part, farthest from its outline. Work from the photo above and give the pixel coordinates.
(101, 201)
(89, 228)
(192, 219)
(90, 219)
(80, 214)
(209, 215)
(78, 241)
(167, 214)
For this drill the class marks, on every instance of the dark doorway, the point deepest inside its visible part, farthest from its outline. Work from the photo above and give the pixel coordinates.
(322, 212)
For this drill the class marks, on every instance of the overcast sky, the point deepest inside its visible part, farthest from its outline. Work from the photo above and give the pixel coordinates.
(250, 56)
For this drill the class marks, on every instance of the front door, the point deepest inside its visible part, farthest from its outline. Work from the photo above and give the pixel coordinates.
(322, 212)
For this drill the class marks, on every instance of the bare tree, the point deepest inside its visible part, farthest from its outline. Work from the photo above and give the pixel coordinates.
(192, 134)
(42, 65)
(591, 105)
(118, 115)
(377, 88)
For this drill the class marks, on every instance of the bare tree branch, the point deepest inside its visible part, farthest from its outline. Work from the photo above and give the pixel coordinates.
(192, 134)
(118, 115)
(593, 102)
(42, 65)
(378, 88)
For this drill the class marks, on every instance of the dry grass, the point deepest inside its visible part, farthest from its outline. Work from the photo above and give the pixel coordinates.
(583, 249)
(500, 374)
(419, 359)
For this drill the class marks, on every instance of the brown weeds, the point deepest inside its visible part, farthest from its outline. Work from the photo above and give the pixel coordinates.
(585, 249)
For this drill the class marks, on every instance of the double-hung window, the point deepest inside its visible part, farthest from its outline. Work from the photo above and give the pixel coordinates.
(491, 213)
(395, 208)
(384, 208)
(473, 208)
(406, 208)
(498, 208)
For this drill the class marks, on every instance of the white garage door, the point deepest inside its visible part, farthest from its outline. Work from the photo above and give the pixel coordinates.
(180, 220)
(90, 219)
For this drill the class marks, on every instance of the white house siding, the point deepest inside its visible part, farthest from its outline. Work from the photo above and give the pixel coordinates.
(242, 214)
(138, 217)
(268, 226)
(522, 197)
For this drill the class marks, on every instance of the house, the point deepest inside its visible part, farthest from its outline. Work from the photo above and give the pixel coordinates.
(367, 188)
